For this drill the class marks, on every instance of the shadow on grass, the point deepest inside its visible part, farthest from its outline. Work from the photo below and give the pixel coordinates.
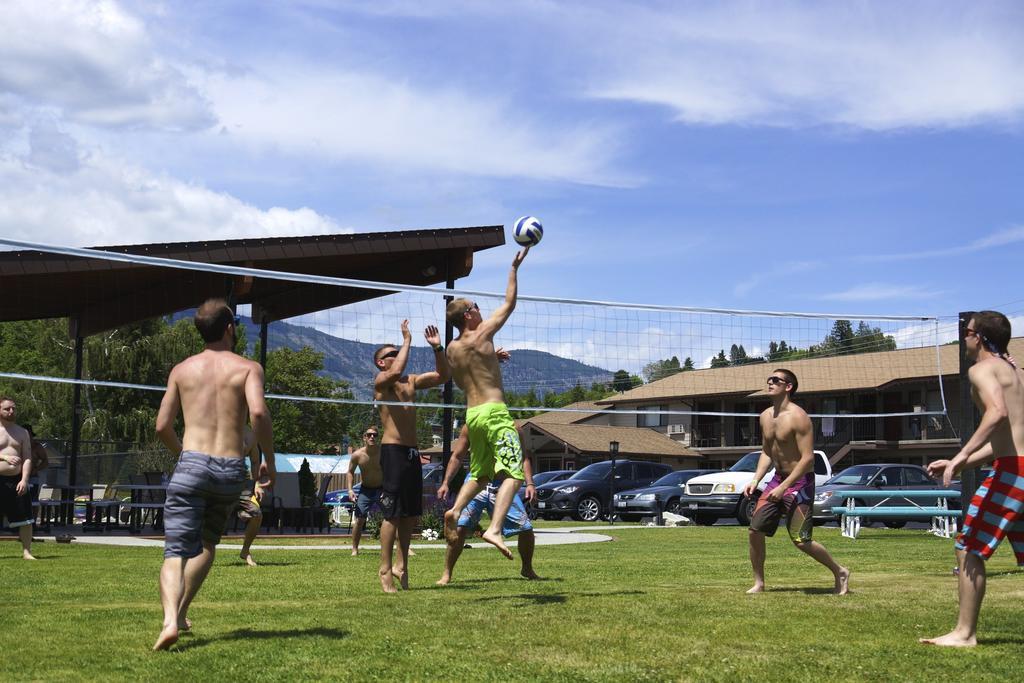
(805, 591)
(17, 557)
(1009, 640)
(475, 584)
(261, 563)
(190, 643)
(557, 598)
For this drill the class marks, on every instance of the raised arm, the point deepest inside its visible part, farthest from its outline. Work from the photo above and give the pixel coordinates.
(397, 369)
(443, 372)
(168, 412)
(259, 417)
(501, 314)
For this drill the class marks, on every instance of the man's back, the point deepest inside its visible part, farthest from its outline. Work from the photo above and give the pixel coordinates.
(211, 387)
(475, 367)
(1008, 436)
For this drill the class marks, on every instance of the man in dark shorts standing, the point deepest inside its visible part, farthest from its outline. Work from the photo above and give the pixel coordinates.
(788, 446)
(997, 508)
(367, 459)
(401, 499)
(216, 390)
(15, 469)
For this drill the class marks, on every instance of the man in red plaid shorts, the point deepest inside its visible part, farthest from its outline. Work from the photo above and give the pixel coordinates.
(997, 509)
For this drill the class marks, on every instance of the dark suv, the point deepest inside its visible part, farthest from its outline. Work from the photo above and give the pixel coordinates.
(584, 495)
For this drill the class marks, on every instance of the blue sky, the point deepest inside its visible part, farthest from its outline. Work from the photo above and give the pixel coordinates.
(847, 157)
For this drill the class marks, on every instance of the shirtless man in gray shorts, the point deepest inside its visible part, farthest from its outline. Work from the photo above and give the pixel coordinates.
(367, 459)
(216, 390)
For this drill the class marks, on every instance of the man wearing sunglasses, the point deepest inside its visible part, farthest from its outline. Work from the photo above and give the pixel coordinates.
(495, 451)
(997, 508)
(401, 499)
(788, 446)
(367, 459)
(216, 390)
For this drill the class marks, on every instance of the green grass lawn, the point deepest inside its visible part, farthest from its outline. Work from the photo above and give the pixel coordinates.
(655, 604)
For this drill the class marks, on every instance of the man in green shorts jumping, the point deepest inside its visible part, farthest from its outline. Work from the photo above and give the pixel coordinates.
(495, 451)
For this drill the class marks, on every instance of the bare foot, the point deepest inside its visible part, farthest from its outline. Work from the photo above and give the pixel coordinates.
(411, 552)
(248, 559)
(843, 581)
(498, 542)
(444, 580)
(185, 624)
(949, 640)
(451, 527)
(387, 581)
(757, 588)
(26, 555)
(403, 578)
(167, 637)
(355, 551)
(529, 574)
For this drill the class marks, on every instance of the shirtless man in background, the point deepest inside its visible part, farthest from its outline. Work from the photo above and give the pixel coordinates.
(367, 459)
(216, 390)
(15, 469)
(788, 446)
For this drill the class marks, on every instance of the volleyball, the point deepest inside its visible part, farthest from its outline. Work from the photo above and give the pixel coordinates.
(528, 231)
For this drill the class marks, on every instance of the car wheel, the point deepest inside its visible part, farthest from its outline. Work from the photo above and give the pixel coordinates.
(745, 510)
(896, 524)
(588, 509)
(675, 507)
(705, 520)
(532, 512)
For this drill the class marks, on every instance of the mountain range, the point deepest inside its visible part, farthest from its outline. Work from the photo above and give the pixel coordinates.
(351, 361)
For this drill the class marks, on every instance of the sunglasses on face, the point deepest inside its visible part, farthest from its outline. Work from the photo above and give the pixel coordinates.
(370, 435)
(474, 307)
(776, 380)
(968, 332)
(390, 354)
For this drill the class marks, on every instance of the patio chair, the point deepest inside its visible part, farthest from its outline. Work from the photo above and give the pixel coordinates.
(48, 505)
(102, 504)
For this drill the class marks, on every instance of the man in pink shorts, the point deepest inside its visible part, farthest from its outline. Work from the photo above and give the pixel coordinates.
(997, 509)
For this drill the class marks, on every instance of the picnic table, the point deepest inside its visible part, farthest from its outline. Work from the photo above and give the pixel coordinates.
(944, 520)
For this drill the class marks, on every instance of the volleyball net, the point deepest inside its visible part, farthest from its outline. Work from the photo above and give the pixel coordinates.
(665, 364)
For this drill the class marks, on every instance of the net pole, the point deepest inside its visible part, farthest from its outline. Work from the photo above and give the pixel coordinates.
(968, 478)
(76, 421)
(448, 392)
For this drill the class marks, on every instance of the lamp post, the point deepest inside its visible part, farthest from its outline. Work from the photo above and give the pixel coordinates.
(613, 451)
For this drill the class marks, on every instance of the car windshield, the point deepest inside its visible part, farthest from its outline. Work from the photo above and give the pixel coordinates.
(748, 463)
(674, 479)
(545, 477)
(858, 474)
(599, 470)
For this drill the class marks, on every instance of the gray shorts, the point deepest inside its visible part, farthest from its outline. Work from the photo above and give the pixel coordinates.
(202, 494)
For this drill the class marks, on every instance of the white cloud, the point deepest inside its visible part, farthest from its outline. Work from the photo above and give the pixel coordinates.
(108, 201)
(338, 116)
(96, 64)
(875, 66)
(999, 238)
(880, 292)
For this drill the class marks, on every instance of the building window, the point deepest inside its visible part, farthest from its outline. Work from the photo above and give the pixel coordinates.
(654, 418)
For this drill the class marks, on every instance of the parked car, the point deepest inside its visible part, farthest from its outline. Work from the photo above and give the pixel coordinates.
(433, 474)
(543, 478)
(720, 494)
(886, 477)
(585, 494)
(661, 496)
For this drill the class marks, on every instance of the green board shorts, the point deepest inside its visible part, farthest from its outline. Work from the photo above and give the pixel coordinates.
(493, 443)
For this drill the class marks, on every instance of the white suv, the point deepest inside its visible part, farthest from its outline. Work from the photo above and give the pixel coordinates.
(720, 494)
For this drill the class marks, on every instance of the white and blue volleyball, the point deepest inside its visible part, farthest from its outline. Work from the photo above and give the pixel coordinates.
(528, 231)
